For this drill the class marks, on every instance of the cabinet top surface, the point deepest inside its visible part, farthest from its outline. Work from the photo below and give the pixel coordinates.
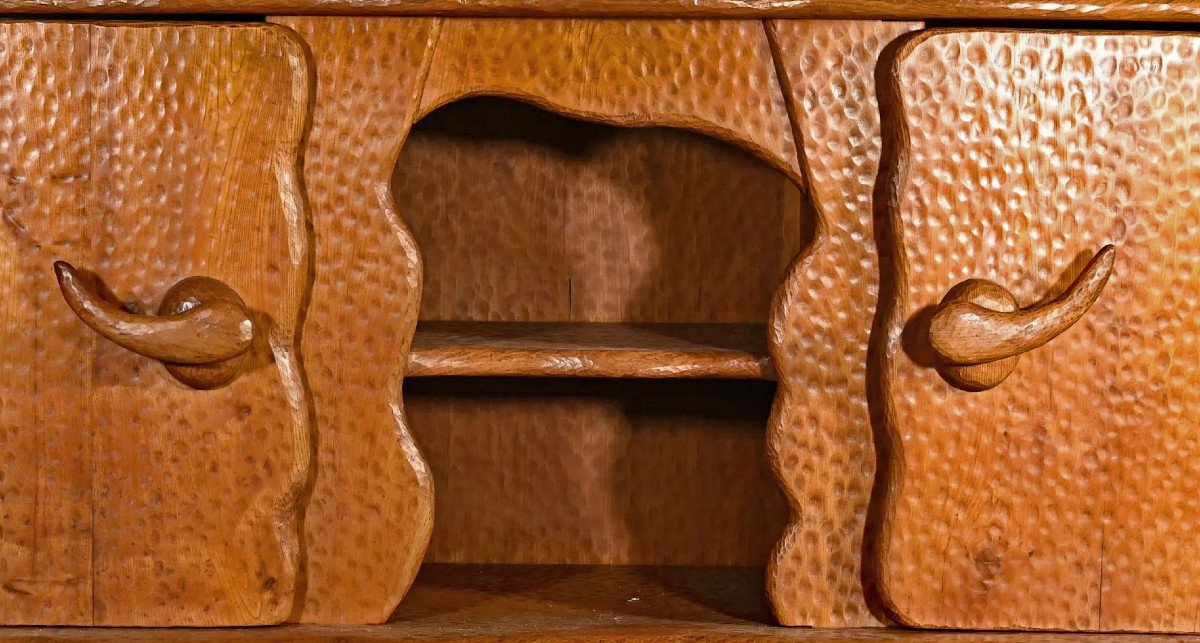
(1114, 10)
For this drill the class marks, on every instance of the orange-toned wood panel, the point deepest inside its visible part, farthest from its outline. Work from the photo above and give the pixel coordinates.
(598, 471)
(148, 154)
(820, 440)
(668, 73)
(1066, 496)
(1109, 10)
(369, 517)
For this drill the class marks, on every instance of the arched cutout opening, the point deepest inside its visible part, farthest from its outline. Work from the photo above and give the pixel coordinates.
(539, 232)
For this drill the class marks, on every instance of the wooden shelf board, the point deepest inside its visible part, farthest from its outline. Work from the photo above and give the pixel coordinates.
(572, 603)
(539, 349)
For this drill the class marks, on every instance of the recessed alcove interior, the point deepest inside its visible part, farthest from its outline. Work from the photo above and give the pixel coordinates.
(555, 246)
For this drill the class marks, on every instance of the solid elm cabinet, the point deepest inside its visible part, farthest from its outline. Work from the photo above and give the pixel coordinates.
(603, 320)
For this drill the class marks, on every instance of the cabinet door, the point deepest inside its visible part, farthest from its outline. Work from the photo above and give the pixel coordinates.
(1043, 425)
(144, 155)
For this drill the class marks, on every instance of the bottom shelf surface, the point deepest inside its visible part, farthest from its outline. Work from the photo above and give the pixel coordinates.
(570, 603)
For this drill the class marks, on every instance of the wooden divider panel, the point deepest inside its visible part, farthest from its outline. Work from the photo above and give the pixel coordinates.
(820, 440)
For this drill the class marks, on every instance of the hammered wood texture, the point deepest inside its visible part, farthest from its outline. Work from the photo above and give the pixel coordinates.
(147, 154)
(1067, 497)
(369, 518)
(1114, 10)
(820, 439)
(524, 215)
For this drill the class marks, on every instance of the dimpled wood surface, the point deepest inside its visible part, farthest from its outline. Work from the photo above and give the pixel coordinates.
(820, 442)
(640, 73)
(523, 215)
(369, 517)
(1067, 496)
(1160, 10)
(148, 154)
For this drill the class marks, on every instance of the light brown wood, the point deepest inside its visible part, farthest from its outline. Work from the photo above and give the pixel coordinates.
(965, 333)
(731, 531)
(653, 73)
(368, 517)
(149, 153)
(657, 351)
(1064, 497)
(522, 603)
(523, 215)
(820, 440)
(202, 331)
(1102, 10)
(598, 471)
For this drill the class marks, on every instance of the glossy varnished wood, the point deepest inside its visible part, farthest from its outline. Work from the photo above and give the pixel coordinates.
(535, 604)
(667, 351)
(598, 471)
(369, 515)
(150, 153)
(633, 74)
(820, 442)
(1109, 10)
(1066, 496)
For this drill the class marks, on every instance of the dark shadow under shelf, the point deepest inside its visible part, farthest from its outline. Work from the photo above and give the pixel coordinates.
(544, 349)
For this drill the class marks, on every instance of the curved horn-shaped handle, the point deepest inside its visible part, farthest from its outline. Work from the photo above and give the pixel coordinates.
(978, 324)
(202, 331)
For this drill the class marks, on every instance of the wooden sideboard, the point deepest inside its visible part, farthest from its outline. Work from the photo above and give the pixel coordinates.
(602, 320)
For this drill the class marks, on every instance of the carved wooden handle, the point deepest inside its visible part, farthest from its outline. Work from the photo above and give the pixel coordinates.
(202, 332)
(979, 331)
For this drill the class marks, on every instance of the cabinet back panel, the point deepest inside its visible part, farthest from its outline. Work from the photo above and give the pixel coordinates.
(524, 215)
(624, 472)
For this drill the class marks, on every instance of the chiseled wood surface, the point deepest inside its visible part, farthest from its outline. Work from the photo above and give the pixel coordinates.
(1110, 10)
(1066, 497)
(520, 603)
(148, 154)
(522, 215)
(526, 216)
(368, 520)
(820, 440)
(654, 351)
(598, 471)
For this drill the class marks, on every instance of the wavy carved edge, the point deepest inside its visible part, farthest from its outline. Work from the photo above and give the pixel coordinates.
(886, 336)
(783, 310)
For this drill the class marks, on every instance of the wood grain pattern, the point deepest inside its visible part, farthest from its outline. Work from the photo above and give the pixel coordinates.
(979, 331)
(655, 351)
(368, 520)
(611, 472)
(202, 334)
(1065, 497)
(663, 73)
(544, 603)
(147, 153)
(523, 215)
(1105, 10)
(820, 441)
